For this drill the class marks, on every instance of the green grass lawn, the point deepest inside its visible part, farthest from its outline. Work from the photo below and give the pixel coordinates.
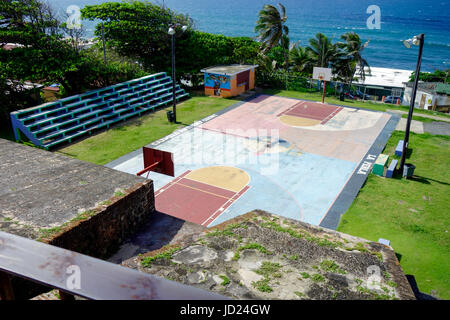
(317, 96)
(134, 134)
(412, 214)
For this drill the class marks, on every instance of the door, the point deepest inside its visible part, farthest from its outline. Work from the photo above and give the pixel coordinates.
(244, 77)
(422, 100)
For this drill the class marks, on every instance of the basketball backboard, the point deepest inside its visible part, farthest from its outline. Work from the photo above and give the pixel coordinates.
(157, 161)
(323, 74)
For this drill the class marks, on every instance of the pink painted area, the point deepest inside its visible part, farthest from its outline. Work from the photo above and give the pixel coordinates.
(263, 113)
(349, 145)
(246, 120)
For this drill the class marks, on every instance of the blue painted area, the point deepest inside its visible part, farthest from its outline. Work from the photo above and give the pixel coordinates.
(303, 188)
(217, 81)
(297, 186)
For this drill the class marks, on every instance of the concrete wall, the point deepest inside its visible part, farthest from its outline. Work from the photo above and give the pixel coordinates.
(101, 235)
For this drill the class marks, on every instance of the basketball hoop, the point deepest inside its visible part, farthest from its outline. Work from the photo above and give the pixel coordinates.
(322, 74)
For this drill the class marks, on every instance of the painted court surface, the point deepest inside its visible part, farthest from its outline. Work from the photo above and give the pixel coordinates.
(286, 156)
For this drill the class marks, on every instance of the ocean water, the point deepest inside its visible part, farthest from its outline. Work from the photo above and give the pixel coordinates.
(400, 19)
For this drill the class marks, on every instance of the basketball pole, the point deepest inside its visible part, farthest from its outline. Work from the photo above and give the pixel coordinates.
(324, 86)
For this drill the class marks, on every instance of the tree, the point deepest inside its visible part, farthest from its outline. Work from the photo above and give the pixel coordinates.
(138, 29)
(272, 29)
(436, 76)
(128, 25)
(352, 50)
(322, 51)
(43, 55)
(300, 60)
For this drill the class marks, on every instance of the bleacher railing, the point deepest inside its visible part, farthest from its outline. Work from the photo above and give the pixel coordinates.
(75, 274)
(58, 122)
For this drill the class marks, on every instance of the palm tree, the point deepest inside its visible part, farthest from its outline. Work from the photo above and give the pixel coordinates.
(300, 59)
(352, 48)
(322, 51)
(270, 27)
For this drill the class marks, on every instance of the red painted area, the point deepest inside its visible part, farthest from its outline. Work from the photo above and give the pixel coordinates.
(218, 212)
(207, 188)
(194, 201)
(224, 89)
(311, 110)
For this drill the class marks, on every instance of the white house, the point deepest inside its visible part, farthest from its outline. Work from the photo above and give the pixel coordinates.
(429, 96)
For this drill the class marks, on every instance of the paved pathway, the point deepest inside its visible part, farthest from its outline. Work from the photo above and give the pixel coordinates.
(416, 126)
(421, 115)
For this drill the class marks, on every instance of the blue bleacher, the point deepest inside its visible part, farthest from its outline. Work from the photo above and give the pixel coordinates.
(399, 148)
(58, 122)
(391, 168)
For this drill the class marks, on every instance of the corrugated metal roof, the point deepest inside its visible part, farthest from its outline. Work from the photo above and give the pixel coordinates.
(443, 88)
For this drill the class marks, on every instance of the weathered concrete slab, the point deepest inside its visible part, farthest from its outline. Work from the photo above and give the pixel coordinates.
(416, 126)
(437, 127)
(264, 256)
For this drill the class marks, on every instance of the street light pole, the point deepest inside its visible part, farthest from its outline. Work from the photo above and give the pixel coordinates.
(421, 39)
(174, 94)
(104, 45)
(173, 81)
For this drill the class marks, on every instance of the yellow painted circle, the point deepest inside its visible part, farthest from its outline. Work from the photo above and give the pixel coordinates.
(229, 178)
(298, 121)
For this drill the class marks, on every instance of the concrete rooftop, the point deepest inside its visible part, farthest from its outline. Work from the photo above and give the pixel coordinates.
(229, 70)
(40, 189)
(264, 256)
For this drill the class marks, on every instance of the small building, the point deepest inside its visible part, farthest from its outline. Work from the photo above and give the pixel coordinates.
(381, 82)
(229, 80)
(429, 96)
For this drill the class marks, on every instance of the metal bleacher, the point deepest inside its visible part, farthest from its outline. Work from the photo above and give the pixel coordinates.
(61, 121)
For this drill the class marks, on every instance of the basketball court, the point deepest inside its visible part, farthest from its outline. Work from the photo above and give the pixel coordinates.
(299, 159)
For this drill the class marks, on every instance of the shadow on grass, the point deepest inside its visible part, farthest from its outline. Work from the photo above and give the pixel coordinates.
(398, 176)
(427, 180)
(409, 153)
(415, 288)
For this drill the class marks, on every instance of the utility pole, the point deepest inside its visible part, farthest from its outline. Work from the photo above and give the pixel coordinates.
(174, 81)
(421, 38)
(104, 45)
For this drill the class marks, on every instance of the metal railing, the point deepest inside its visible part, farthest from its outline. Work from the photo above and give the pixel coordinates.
(75, 274)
